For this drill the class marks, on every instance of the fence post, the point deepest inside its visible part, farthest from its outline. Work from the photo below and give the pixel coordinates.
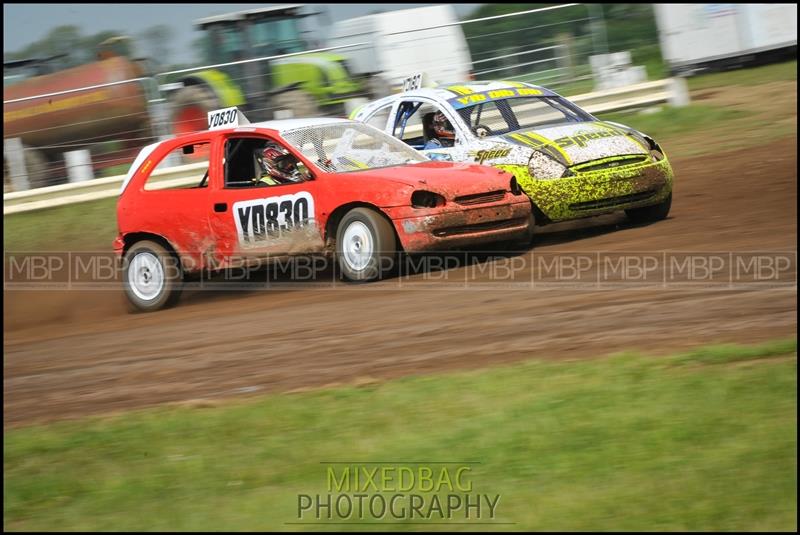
(79, 165)
(678, 92)
(565, 41)
(14, 154)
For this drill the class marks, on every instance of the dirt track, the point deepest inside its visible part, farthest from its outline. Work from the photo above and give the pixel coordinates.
(74, 353)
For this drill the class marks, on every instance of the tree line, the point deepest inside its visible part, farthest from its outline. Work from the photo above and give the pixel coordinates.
(69, 47)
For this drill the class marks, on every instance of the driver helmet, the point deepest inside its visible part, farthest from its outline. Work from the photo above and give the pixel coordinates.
(278, 162)
(442, 127)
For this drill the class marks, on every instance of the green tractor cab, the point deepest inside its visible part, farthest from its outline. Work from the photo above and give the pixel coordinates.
(306, 84)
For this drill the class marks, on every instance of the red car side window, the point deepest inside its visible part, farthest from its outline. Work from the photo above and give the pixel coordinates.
(195, 155)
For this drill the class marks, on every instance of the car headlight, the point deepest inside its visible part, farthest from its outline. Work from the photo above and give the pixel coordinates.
(542, 166)
(426, 199)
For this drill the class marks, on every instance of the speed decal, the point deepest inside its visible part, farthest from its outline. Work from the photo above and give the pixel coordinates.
(259, 220)
(634, 135)
(582, 139)
(481, 156)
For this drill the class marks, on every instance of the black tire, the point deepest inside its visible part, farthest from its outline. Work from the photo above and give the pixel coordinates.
(382, 251)
(649, 214)
(163, 295)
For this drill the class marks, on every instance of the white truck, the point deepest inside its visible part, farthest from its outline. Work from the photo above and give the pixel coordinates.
(425, 40)
(699, 36)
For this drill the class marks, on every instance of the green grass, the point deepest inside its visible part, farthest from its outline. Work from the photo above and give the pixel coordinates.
(730, 353)
(89, 226)
(747, 77)
(650, 58)
(672, 122)
(569, 89)
(115, 170)
(698, 441)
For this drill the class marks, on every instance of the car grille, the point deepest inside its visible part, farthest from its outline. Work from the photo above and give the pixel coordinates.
(613, 201)
(480, 198)
(621, 162)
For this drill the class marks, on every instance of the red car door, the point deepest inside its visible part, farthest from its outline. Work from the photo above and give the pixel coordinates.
(253, 218)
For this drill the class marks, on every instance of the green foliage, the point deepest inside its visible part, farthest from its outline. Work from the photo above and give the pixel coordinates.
(81, 49)
(66, 39)
(156, 42)
(583, 28)
(629, 26)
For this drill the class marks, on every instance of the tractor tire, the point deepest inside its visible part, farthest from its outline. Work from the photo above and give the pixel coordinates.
(300, 103)
(190, 106)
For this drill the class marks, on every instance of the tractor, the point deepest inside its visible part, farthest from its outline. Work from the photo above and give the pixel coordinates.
(307, 84)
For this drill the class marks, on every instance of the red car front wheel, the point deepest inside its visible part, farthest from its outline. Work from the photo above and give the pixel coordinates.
(365, 245)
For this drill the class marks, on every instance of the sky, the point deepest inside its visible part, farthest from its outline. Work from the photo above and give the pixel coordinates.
(26, 23)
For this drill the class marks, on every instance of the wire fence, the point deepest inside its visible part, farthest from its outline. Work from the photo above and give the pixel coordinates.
(559, 60)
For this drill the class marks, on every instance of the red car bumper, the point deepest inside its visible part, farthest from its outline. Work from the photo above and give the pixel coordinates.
(464, 227)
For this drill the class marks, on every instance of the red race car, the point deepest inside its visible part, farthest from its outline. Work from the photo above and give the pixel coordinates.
(281, 188)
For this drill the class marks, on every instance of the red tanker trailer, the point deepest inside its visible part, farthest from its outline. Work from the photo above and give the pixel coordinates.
(84, 118)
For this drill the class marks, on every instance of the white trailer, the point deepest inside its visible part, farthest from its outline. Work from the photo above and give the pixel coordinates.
(425, 40)
(697, 36)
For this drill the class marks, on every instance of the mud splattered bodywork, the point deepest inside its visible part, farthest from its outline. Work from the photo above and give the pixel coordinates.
(596, 192)
(499, 215)
(618, 168)
(568, 162)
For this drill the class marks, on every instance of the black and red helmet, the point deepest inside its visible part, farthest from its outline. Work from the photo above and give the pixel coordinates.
(278, 162)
